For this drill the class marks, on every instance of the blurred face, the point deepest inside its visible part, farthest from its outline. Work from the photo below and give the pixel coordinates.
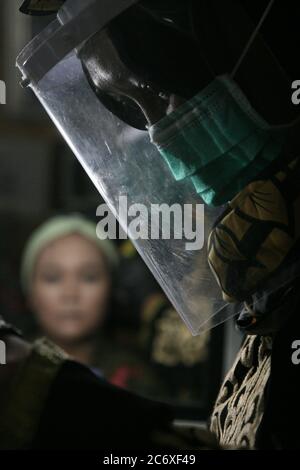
(70, 289)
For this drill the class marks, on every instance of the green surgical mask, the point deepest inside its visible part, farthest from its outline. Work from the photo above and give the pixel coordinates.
(218, 141)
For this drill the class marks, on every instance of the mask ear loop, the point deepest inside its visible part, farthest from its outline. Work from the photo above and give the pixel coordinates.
(252, 38)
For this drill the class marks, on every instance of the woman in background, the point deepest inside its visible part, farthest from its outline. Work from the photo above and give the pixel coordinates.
(68, 275)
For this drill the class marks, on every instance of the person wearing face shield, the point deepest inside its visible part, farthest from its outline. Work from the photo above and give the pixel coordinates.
(172, 102)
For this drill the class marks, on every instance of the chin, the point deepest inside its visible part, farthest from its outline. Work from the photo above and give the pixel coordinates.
(68, 337)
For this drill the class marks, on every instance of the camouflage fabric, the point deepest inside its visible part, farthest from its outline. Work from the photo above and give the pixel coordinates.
(259, 235)
(26, 397)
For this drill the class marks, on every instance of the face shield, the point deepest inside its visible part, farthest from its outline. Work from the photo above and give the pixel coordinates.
(165, 218)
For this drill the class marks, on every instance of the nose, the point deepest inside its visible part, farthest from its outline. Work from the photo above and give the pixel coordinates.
(109, 74)
(70, 291)
(154, 105)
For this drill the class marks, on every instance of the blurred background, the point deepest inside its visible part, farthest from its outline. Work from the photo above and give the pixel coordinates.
(39, 178)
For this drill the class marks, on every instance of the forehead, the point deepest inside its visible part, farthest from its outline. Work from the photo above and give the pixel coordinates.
(71, 250)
